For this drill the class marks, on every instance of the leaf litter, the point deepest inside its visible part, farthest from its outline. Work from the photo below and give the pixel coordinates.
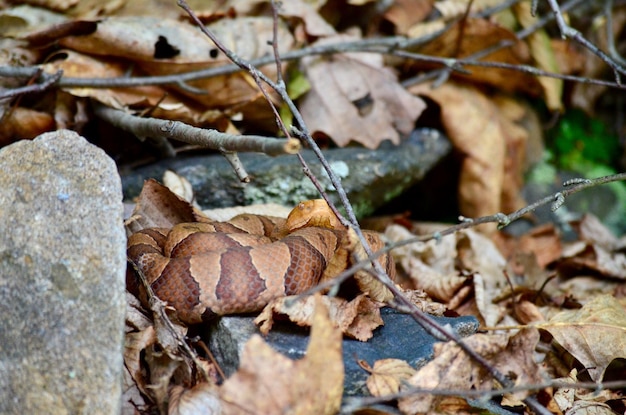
(550, 310)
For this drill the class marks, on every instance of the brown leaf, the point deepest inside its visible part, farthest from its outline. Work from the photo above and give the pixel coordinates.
(387, 376)
(314, 212)
(453, 369)
(158, 207)
(354, 98)
(23, 123)
(543, 54)
(430, 264)
(160, 46)
(270, 383)
(357, 318)
(405, 13)
(201, 399)
(367, 282)
(476, 35)
(595, 334)
(482, 133)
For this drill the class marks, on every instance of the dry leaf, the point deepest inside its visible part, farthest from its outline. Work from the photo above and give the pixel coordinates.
(477, 35)
(357, 318)
(453, 369)
(270, 383)
(161, 46)
(354, 98)
(201, 399)
(387, 376)
(542, 53)
(404, 14)
(595, 334)
(179, 185)
(367, 282)
(314, 212)
(599, 252)
(23, 123)
(157, 99)
(158, 207)
(482, 133)
(431, 265)
(314, 24)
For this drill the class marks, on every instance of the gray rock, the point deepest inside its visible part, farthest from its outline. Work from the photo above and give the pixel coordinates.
(400, 338)
(62, 264)
(370, 177)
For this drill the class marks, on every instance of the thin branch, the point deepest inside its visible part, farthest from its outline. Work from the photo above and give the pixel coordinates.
(153, 127)
(569, 32)
(355, 403)
(46, 83)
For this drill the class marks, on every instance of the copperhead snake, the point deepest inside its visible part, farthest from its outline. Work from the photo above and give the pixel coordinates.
(239, 266)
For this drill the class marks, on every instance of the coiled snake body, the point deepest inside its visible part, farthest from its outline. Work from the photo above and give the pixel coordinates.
(203, 269)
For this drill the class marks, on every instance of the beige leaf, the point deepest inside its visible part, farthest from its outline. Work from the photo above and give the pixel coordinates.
(430, 265)
(406, 13)
(357, 318)
(595, 334)
(542, 53)
(201, 399)
(479, 136)
(453, 369)
(387, 376)
(270, 383)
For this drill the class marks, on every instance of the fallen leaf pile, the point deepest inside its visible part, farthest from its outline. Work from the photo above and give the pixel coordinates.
(549, 311)
(538, 328)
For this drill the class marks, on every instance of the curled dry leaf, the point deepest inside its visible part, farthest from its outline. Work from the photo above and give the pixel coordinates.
(179, 185)
(158, 207)
(354, 98)
(314, 212)
(595, 334)
(429, 264)
(387, 376)
(453, 369)
(159, 46)
(479, 255)
(599, 252)
(201, 399)
(270, 383)
(135, 344)
(481, 131)
(474, 35)
(357, 318)
(367, 282)
(543, 54)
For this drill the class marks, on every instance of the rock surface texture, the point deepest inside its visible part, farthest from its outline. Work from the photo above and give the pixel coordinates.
(370, 177)
(400, 338)
(62, 264)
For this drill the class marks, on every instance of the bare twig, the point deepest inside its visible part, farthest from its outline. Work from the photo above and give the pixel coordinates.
(569, 32)
(355, 403)
(153, 127)
(46, 83)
